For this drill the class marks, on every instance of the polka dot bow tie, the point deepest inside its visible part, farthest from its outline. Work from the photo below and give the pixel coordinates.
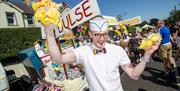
(95, 51)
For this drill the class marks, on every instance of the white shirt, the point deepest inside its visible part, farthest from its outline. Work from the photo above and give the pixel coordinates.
(102, 70)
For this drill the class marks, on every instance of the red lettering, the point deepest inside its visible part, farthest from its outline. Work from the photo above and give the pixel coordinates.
(66, 26)
(79, 13)
(60, 29)
(70, 20)
(86, 8)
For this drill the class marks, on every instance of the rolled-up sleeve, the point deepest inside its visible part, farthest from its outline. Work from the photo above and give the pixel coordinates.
(124, 59)
(78, 54)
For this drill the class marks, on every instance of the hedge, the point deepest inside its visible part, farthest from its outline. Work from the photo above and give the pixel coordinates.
(14, 40)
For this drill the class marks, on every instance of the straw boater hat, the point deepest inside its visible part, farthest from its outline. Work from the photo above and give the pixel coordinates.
(98, 25)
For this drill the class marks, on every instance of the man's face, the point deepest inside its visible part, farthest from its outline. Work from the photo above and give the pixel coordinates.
(99, 38)
(160, 24)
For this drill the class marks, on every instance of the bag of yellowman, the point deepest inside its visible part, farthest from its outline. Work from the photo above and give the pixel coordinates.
(150, 41)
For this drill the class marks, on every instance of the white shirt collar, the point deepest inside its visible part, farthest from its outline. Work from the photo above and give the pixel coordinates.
(94, 47)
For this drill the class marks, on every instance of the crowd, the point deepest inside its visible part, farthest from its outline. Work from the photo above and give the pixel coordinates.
(131, 42)
(170, 40)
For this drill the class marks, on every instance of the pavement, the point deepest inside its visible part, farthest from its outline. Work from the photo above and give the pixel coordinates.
(152, 79)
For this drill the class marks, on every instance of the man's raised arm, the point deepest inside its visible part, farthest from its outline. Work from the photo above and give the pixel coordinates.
(56, 56)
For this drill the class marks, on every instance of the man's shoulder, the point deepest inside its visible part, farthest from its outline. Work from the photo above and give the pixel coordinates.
(164, 28)
(82, 48)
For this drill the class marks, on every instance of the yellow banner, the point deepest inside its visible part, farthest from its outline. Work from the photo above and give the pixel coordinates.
(131, 21)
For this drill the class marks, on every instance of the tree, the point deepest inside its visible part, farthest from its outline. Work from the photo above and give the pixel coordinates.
(119, 18)
(174, 15)
(131, 29)
(143, 23)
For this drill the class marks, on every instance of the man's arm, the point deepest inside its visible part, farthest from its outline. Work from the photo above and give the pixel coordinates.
(56, 56)
(171, 38)
(135, 72)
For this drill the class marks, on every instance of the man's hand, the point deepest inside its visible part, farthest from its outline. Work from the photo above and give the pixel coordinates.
(49, 30)
(149, 52)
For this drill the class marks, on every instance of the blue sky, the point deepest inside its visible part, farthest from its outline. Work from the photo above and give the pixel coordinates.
(147, 9)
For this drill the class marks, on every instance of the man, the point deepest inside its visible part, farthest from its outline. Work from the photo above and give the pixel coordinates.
(165, 47)
(101, 60)
(178, 46)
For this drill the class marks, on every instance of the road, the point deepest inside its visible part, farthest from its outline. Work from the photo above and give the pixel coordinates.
(152, 79)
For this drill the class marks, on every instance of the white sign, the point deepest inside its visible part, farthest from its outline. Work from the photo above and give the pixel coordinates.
(57, 31)
(82, 12)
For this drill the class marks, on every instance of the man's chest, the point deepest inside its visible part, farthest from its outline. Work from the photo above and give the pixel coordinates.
(102, 62)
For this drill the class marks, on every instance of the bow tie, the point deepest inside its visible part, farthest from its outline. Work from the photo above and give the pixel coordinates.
(95, 51)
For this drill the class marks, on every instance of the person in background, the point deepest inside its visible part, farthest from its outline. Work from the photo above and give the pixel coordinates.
(166, 47)
(124, 39)
(174, 32)
(133, 49)
(138, 35)
(100, 60)
(178, 46)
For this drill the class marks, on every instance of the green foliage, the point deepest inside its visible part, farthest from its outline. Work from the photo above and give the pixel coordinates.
(131, 29)
(13, 40)
(143, 23)
(174, 15)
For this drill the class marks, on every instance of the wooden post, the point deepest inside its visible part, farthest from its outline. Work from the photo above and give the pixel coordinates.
(64, 66)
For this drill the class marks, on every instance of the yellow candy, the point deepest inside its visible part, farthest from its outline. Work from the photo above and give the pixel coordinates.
(142, 45)
(53, 14)
(47, 12)
(46, 21)
(37, 5)
(40, 15)
(146, 44)
(154, 37)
